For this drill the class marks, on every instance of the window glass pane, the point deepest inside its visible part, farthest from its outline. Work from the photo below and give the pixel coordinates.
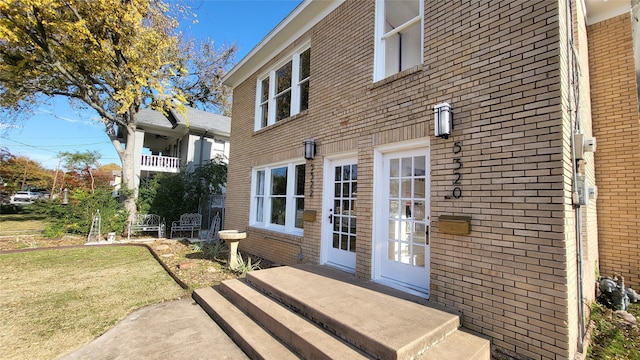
(259, 209)
(304, 96)
(283, 78)
(300, 172)
(260, 182)
(264, 117)
(299, 210)
(283, 106)
(305, 60)
(278, 210)
(265, 90)
(279, 181)
(398, 12)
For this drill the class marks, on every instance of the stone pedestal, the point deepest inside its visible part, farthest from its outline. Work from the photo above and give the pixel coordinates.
(232, 237)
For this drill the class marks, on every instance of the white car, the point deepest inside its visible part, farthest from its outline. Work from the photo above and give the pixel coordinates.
(25, 196)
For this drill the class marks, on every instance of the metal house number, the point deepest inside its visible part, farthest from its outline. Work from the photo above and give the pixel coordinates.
(456, 193)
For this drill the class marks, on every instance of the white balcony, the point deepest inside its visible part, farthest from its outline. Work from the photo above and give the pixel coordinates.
(160, 164)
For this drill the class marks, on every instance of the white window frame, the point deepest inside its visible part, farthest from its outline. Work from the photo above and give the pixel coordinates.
(290, 215)
(295, 86)
(379, 72)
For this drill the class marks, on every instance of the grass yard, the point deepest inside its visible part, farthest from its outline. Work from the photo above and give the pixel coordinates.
(54, 301)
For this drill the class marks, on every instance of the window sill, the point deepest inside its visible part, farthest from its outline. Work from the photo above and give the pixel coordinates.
(282, 122)
(273, 230)
(402, 74)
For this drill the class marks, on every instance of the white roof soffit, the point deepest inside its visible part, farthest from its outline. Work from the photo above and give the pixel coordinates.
(600, 10)
(300, 20)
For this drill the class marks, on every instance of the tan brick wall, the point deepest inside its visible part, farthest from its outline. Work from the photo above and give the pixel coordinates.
(617, 126)
(499, 65)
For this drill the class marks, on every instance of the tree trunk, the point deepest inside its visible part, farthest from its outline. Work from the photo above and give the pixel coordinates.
(128, 173)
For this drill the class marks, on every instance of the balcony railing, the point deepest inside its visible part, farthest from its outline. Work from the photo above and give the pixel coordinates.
(160, 163)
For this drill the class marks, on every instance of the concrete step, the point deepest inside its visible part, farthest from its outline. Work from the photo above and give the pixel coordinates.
(304, 337)
(459, 345)
(321, 313)
(255, 341)
(381, 325)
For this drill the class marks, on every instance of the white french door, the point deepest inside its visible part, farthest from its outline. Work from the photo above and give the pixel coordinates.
(339, 220)
(402, 220)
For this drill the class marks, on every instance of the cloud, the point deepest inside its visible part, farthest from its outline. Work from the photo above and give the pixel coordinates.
(93, 122)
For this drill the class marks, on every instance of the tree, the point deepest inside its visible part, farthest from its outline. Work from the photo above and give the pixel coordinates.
(20, 173)
(84, 162)
(114, 56)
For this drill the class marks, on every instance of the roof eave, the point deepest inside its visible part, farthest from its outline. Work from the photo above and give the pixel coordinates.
(300, 20)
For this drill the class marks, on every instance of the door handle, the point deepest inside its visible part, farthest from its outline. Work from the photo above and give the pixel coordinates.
(330, 216)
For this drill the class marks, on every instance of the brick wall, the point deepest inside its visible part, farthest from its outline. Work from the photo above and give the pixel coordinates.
(617, 128)
(499, 65)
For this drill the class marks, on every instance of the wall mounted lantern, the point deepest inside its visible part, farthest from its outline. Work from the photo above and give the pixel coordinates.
(309, 149)
(443, 120)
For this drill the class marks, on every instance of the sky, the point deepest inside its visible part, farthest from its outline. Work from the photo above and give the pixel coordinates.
(57, 127)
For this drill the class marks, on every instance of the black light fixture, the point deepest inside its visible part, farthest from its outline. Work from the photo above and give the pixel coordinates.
(309, 149)
(443, 120)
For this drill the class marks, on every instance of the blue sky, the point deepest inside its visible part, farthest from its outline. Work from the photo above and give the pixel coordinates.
(56, 127)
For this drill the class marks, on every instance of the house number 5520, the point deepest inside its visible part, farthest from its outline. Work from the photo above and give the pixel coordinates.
(456, 193)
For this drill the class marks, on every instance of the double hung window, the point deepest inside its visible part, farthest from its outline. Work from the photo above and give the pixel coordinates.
(283, 91)
(399, 36)
(278, 197)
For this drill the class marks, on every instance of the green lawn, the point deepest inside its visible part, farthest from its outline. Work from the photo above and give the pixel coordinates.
(54, 301)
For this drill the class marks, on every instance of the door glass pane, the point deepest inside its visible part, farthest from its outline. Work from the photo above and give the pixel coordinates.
(407, 167)
(344, 242)
(346, 173)
(394, 209)
(406, 188)
(352, 243)
(393, 251)
(338, 173)
(393, 231)
(419, 235)
(418, 255)
(336, 241)
(419, 210)
(419, 188)
(405, 253)
(394, 168)
(394, 188)
(354, 172)
(420, 168)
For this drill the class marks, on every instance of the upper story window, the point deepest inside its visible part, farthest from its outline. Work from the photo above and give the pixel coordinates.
(399, 28)
(284, 90)
(277, 200)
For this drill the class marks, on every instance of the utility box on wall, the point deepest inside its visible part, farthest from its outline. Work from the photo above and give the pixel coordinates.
(457, 225)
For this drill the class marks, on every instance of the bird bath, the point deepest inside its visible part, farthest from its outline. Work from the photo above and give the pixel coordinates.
(232, 237)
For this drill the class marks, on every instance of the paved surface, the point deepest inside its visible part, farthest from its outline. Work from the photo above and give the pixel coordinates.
(177, 329)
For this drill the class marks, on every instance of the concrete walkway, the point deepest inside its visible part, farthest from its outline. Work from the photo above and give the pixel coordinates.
(177, 329)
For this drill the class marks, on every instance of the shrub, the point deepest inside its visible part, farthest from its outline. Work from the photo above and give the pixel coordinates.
(77, 216)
